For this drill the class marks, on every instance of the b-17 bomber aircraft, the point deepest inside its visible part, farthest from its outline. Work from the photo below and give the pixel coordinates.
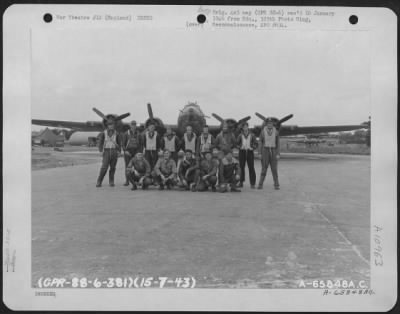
(191, 115)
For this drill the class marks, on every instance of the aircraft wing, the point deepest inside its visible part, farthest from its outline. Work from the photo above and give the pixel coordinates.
(287, 130)
(78, 126)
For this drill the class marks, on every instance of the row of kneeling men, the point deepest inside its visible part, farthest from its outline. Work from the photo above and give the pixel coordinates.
(189, 173)
(193, 169)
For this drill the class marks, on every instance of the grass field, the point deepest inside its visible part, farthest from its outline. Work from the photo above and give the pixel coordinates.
(47, 157)
(322, 148)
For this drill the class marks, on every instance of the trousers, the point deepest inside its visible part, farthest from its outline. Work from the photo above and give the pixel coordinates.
(110, 158)
(127, 158)
(247, 155)
(268, 158)
(152, 157)
(134, 179)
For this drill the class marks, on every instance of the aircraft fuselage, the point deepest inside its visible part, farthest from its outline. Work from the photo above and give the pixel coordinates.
(191, 115)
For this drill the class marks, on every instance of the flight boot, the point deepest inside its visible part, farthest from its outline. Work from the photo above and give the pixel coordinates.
(261, 182)
(101, 177)
(235, 189)
(111, 177)
(126, 180)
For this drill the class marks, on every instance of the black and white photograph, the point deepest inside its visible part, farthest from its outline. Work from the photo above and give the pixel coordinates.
(233, 151)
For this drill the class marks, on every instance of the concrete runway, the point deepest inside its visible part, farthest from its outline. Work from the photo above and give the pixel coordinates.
(316, 227)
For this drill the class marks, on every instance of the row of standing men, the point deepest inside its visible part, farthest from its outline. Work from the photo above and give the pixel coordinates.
(193, 162)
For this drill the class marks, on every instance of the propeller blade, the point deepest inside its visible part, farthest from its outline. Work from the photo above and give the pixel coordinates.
(99, 113)
(217, 117)
(261, 116)
(150, 111)
(123, 116)
(285, 119)
(244, 120)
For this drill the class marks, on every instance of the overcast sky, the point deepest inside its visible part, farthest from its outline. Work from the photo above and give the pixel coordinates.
(321, 77)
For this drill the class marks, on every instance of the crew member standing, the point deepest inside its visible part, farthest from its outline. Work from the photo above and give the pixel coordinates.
(151, 144)
(205, 141)
(131, 144)
(247, 143)
(225, 139)
(110, 146)
(269, 140)
(171, 143)
(189, 140)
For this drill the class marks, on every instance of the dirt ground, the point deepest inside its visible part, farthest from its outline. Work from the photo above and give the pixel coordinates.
(316, 227)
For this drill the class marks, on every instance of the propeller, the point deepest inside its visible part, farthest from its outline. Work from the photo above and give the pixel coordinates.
(152, 119)
(217, 117)
(150, 111)
(232, 123)
(245, 119)
(122, 116)
(290, 116)
(261, 116)
(112, 117)
(99, 113)
(276, 121)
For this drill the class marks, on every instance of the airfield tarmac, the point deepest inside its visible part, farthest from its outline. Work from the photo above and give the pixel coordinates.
(317, 227)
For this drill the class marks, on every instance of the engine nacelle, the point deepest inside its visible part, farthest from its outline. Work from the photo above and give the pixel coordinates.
(231, 123)
(119, 125)
(157, 122)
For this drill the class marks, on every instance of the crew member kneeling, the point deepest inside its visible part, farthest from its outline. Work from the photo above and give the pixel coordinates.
(229, 171)
(207, 173)
(138, 172)
(187, 171)
(131, 144)
(165, 171)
